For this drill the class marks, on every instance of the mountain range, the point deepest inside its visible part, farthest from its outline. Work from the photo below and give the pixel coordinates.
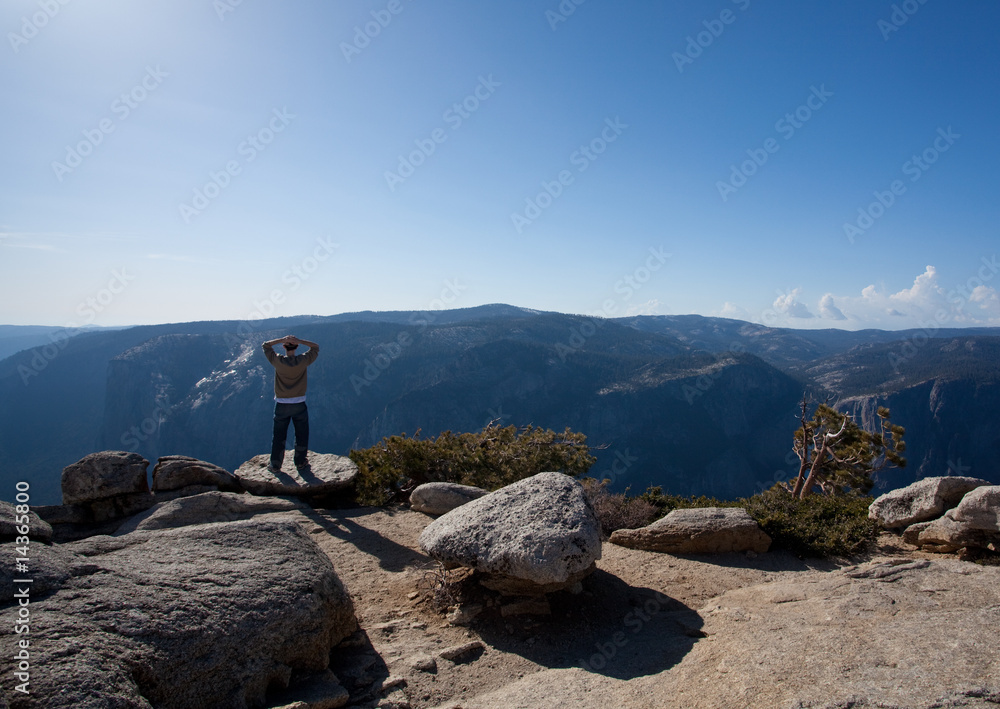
(693, 404)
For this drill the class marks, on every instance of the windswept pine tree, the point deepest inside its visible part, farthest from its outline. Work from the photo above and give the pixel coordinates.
(837, 455)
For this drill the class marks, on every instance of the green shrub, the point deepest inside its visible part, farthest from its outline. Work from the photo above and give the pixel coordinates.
(491, 458)
(818, 525)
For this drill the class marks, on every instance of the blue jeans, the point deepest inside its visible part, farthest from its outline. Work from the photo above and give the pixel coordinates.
(298, 415)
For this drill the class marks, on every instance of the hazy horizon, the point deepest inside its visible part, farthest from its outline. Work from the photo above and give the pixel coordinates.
(818, 325)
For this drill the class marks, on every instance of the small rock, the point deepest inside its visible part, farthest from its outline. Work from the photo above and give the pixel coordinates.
(911, 535)
(465, 614)
(393, 681)
(464, 652)
(396, 699)
(424, 663)
(388, 627)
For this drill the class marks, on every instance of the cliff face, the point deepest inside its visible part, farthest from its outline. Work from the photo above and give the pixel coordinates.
(952, 428)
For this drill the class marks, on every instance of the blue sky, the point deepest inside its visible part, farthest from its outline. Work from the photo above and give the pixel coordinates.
(804, 164)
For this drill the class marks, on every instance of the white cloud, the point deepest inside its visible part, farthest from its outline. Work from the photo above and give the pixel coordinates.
(924, 292)
(650, 307)
(828, 309)
(987, 298)
(789, 304)
(731, 310)
(925, 303)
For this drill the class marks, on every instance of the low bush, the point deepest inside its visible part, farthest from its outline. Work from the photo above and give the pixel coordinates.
(491, 458)
(617, 510)
(818, 525)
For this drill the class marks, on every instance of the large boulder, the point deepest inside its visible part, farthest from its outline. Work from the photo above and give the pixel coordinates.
(975, 522)
(979, 509)
(206, 616)
(439, 498)
(326, 475)
(176, 472)
(923, 500)
(704, 530)
(945, 535)
(101, 488)
(537, 535)
(104, 475)
(13, 524)
(205, 508)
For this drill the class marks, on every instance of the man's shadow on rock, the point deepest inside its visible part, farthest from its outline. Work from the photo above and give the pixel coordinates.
(612, 629)
(391, 555)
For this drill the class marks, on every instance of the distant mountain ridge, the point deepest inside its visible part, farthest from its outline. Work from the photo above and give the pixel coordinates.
(696, 405)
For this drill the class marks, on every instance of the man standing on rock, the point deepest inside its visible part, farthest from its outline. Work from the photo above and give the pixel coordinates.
(290, 398)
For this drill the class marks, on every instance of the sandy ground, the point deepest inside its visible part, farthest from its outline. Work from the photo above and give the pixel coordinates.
(635, 617)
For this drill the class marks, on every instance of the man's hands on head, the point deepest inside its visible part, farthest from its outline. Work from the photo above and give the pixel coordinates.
(291, 340)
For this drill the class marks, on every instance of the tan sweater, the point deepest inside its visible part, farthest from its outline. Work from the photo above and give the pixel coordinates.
(290, 371)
